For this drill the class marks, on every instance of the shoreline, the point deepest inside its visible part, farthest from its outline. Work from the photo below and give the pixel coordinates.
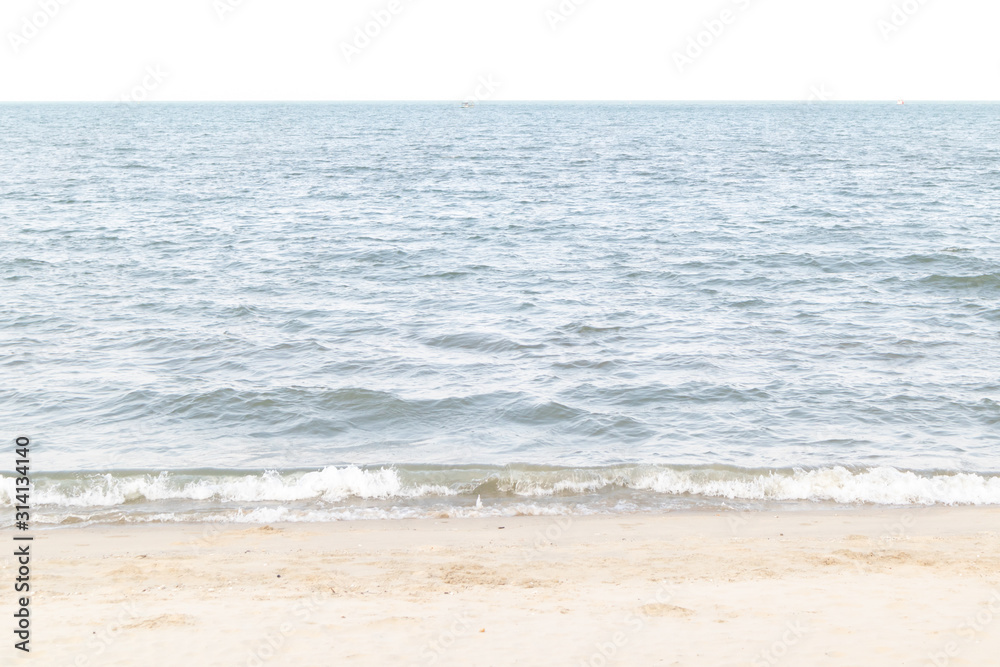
(431, 492)
(215, 523)
(819, 587)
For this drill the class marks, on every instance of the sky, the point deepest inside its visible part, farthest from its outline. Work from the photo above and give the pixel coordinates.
(499, 50)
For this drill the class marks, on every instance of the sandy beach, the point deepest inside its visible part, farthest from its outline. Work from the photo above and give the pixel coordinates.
(863, 587)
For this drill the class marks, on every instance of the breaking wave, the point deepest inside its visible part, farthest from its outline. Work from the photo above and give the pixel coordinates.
(338, 493)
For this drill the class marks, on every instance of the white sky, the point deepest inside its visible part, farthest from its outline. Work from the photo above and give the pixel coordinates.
(439, 49)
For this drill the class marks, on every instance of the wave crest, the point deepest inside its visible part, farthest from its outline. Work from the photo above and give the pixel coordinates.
(330, 484)
(645, 486)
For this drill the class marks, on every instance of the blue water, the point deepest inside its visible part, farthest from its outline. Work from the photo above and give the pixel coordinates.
(734, 291)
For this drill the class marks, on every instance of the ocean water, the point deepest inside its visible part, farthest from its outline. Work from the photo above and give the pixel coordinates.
(260, 312)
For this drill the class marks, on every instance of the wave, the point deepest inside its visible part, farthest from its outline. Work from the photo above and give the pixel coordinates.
(110, 489)
(401, 486)
(989, 280)
(884, 486)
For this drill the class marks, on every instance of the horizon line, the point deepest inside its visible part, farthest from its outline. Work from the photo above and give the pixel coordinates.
(499, 102)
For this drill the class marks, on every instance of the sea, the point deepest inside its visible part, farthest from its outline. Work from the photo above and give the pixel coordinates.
(320, 312)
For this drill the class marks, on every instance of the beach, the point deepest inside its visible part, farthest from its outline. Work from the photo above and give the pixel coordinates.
(535, 383)
(556, 334)
(909, 586)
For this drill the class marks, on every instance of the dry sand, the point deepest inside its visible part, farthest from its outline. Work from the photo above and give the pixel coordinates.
(797, 588)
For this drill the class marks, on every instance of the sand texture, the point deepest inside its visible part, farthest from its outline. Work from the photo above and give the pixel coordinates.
(862, 587)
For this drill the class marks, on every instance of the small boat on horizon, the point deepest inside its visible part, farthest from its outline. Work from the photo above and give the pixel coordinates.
(900, 101)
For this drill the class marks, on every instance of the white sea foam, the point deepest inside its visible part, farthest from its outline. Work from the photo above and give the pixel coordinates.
(883, 485)
(282, 514)
(398, 491)
(329, 484)
(886, 486)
